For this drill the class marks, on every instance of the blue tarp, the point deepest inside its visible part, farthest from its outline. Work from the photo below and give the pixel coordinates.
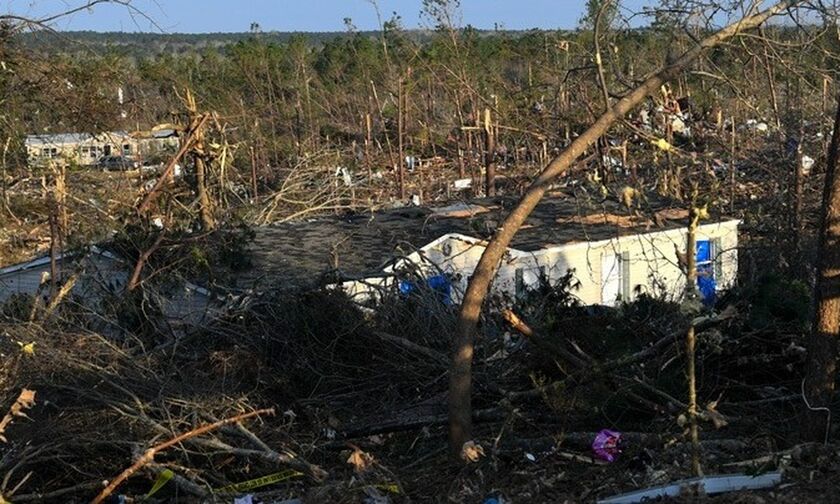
(438, 283)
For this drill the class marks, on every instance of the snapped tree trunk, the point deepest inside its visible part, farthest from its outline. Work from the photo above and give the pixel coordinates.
(208, 223)
(460, 376)
(489, 155)
(821, 367)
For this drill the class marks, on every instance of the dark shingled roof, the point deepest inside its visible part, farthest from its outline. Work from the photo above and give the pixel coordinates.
(359, 244)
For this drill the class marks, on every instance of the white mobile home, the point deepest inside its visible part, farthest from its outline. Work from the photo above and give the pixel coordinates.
(615, 253)
(85, 149)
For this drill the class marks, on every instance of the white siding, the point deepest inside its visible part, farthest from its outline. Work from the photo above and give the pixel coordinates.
(651, 263)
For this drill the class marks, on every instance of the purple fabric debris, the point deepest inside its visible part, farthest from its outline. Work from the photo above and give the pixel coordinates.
(605, 445)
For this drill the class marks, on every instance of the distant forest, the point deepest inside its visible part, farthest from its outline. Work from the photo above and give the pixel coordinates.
(138, 44)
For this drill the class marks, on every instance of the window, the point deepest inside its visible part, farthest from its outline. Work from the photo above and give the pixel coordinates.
(709, 268)
(126, 149)
(107, 150)
(709, 258)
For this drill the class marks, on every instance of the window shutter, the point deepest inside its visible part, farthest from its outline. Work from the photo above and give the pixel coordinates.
(625, 276)
(717, 257)
(519, 286)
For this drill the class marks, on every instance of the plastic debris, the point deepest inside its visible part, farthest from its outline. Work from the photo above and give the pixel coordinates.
(807, 164)
(679, 126)
(374, 496)
(462, 184)
(161, 481)
(605, 446)
(757, 126)
(344, 174)
(706, 485)
(247, 499)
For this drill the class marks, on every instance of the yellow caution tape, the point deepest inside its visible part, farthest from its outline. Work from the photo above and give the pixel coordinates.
(260, 482)
(389, 487)
(162, 479)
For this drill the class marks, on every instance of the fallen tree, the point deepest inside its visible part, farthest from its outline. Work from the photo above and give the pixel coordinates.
(460, 379)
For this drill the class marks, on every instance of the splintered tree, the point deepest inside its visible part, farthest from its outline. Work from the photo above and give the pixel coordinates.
(460, 383)
(821, 370)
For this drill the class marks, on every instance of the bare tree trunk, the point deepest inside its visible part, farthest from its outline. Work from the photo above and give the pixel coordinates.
(400, 128)
(187, 144)
(208, 223)
(691, 339)
(489, 155)
(3, 174)
(797, 268)
(61, 200)
(254, 193)
(136, 273)
(460, 377)
(771, 82)
(54, 247)
(368, 160)
(821, 365)
(732, 168)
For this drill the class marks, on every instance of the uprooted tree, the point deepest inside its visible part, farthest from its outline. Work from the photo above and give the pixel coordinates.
(460, 381)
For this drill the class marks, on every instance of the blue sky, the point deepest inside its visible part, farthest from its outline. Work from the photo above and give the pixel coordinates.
(196, 16)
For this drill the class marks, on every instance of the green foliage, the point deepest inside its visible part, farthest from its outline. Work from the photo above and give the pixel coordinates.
(207, 258)
(775, 299)
(608, 10)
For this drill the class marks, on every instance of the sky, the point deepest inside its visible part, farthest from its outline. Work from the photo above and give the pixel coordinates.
(201, 16)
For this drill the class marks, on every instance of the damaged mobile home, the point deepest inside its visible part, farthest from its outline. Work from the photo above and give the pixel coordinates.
(86, 149)
(98, 276)
(613, 253)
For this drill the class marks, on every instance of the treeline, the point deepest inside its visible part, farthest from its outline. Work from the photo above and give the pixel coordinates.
(375, 98)
(140, 44)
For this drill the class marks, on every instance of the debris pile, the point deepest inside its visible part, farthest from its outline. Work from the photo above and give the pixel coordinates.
(305, 395)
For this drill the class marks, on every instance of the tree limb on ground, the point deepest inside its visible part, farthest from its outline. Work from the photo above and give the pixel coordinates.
(149, 455)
